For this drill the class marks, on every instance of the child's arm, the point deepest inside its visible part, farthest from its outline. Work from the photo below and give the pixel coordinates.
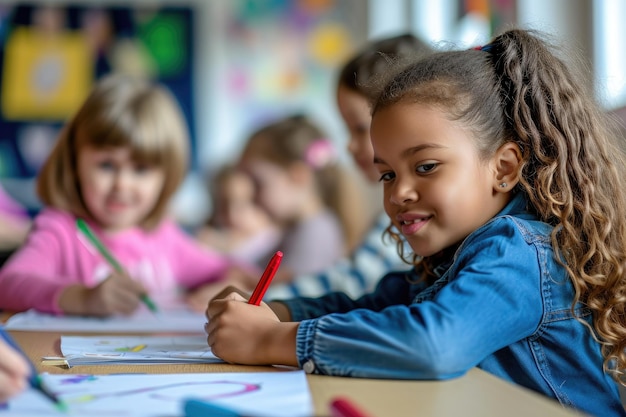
(488, 301)
(54, 272)
(244, 334)
(239, 332)
(394, 287)
(490, 304)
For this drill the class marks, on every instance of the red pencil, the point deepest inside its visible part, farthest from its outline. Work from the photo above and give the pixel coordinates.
(342, 407)
(266, 279)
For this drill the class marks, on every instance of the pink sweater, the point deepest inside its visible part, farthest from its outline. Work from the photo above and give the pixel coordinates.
(56, 255)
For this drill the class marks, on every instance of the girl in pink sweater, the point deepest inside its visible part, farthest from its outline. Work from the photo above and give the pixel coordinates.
(116, 165)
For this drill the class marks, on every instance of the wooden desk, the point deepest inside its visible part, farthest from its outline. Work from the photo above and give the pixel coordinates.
(476, 394)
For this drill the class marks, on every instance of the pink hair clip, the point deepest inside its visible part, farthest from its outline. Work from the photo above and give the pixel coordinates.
(320, 153)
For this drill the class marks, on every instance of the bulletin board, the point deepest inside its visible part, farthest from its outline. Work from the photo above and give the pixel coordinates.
(279, 57)
(51, 55)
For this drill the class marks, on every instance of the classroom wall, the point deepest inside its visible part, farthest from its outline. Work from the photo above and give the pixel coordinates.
(222, 121)
(439, 22)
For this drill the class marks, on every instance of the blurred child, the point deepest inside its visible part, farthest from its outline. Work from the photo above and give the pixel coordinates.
(374, 255)
(506, 179)
(300, 182)
(238, 226)
(116, 164)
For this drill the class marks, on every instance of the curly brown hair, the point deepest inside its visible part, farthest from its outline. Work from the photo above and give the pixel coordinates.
(516, 89)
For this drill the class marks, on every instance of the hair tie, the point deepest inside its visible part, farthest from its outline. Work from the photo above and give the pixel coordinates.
(485, 48)
(320, 153)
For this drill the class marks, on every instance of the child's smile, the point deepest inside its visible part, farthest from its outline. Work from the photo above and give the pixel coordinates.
(437, 188)
(411, 224)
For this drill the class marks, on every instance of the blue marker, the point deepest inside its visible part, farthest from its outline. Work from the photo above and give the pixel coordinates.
(200, 408)
(35, 379)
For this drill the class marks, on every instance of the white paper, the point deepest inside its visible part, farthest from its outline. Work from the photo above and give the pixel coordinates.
(113, 350)
(170, 318)
(258, 394)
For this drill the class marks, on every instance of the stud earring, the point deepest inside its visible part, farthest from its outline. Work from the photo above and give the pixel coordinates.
(503, 185)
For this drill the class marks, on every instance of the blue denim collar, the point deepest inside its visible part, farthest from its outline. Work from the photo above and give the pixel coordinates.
(516, 207)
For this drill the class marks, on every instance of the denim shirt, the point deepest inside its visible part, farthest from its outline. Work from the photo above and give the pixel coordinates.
(503, 305)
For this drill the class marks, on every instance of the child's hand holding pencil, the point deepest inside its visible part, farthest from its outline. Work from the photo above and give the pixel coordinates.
(248, 331)
(16, 370)
(240, 332)
(117, 267)
(118, 294)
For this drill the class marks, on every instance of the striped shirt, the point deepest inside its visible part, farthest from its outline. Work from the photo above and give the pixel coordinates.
(355, 275)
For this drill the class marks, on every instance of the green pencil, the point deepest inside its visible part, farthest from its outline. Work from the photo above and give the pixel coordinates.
(86, 230)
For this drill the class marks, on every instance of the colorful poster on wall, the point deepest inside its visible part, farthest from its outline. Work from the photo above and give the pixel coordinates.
(281, 57)
(50, 56)
(478, 20)
(44, 77)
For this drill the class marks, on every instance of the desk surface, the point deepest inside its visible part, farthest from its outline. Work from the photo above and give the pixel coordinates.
(475, 394)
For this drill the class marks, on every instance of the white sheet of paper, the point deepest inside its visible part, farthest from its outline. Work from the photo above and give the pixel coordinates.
(170, 318)
(112, 350)
(258, 394)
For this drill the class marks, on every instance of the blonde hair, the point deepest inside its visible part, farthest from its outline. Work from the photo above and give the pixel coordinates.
(515, 89)
(120, 111)
(298, 139)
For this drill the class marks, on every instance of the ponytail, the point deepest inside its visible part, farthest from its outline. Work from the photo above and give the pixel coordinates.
(571, 174)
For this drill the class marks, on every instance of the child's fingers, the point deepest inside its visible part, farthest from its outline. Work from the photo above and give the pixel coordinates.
(118, 294)
(126, 302)
(10, 386)
(214, 308)
(128, 290)
(14, 372)
(237, 296)
(125, 281)
(12, 363)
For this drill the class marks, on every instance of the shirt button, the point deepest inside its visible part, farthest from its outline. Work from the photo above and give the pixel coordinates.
(309, 366)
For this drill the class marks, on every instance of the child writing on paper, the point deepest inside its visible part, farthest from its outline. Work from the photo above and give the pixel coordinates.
(359, 272)
(14, 372)
(501, 173)
(116, 165)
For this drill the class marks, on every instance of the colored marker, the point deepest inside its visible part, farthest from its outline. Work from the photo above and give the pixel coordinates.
(86, 230)
(137, 348)
(342, 407)
(35, 380)
(266, 279)
(199, 408)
